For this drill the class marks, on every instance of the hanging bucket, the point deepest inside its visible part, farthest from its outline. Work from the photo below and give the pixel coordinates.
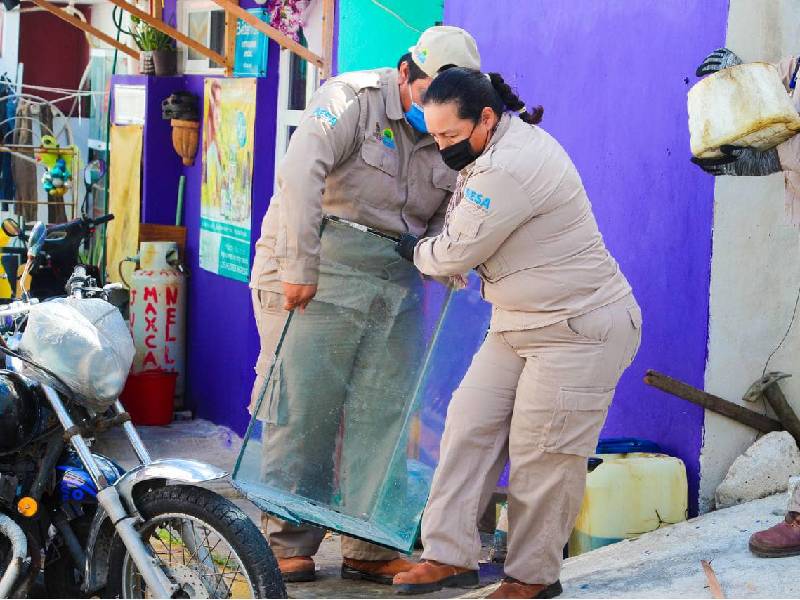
(148, 397)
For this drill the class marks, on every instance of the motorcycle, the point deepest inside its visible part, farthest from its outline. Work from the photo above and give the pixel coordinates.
(55, 257)
(77, 517)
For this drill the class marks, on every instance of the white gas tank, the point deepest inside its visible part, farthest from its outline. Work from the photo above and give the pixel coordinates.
(157, 312)
(745, 105)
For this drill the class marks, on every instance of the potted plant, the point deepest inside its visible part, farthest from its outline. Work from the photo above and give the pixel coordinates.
(158, 53)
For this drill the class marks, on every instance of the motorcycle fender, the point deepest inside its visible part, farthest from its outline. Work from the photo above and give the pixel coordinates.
(158, 472)
(98, 550)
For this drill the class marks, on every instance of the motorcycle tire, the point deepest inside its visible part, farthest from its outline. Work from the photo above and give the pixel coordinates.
(227, 521)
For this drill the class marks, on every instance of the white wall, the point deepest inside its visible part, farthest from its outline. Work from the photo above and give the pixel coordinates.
(755, 271)
(10, 49)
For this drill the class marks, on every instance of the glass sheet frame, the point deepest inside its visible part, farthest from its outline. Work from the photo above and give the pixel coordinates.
(448, 327)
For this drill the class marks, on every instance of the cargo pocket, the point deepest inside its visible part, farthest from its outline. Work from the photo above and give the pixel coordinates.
(578, 420)
(272, 409)
(635, 315)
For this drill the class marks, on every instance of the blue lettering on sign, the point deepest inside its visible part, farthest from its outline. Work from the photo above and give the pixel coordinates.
(325, 115)
(477, 198)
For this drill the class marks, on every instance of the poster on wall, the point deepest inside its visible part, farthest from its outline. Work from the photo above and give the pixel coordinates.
(228, 126)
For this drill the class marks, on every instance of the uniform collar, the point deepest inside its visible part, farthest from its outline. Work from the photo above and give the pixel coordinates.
(391, 93)
(499, 131)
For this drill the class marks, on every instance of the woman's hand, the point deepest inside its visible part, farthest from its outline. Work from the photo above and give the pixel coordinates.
(297, 295)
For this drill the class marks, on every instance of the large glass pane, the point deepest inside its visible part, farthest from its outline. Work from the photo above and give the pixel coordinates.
(346, 432)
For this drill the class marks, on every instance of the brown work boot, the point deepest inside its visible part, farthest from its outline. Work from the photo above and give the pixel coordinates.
(430, 576)
(779, 540)
(513, 588)
(376, 571)
(297, 569)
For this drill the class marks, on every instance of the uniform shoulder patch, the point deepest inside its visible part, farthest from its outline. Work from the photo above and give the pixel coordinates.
(323, 114)
(477, 198)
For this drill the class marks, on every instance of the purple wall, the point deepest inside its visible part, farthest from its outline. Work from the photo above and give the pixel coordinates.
(222, 342)
(612, 77)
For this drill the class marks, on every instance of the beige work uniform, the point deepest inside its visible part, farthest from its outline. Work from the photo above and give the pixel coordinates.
(354, 156)
(564, 327)
(789, 151)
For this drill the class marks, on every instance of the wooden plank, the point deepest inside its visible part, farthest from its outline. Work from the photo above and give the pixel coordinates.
(86, 27)
(328, 11)
(733, 411)
(272, 33)
(230, 41)
(154, 232)
(170, 31)
(157, 8)
(713, 582)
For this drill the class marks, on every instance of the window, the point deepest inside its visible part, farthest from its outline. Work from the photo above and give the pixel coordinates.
(204, 22)
(297, 80)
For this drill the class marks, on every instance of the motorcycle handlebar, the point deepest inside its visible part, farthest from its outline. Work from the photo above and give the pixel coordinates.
(103, 219)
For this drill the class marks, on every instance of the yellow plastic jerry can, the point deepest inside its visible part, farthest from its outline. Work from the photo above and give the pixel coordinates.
(628, 495)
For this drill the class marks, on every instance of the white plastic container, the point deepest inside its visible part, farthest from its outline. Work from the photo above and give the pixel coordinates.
(628, 495)
(745, 105)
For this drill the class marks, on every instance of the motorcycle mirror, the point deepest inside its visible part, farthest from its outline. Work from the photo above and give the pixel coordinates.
(94, 171)
(37, 238)
(10, 227)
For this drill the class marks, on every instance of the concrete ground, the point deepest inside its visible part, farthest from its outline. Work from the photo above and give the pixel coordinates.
(206, 442)
(666, 563)
(661, 564)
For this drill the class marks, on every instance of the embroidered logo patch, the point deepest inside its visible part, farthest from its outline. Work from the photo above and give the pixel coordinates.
(387, 137)
(421, 54)
(325, 115)
(477, 198)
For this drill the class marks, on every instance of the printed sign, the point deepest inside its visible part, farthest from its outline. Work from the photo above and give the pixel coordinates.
(228, 127)
(251, 47)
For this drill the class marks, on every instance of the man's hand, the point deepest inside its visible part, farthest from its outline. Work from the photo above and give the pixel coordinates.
(297, 295)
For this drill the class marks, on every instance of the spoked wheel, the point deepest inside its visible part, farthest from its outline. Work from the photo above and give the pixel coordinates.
(208, 547)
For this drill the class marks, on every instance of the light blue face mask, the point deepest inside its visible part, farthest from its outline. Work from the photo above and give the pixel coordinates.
(415, 115)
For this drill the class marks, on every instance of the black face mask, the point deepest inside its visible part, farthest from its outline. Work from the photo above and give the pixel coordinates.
(460, 154)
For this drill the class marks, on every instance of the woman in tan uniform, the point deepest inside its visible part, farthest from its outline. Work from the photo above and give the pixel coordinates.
(564, 327)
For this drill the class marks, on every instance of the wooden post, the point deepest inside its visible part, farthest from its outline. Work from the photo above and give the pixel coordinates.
(783, 410)
(230, 41)
(268, 30)
(327, 37)
(733, 411)
(76, 22)
(170, 31)
(156, 8)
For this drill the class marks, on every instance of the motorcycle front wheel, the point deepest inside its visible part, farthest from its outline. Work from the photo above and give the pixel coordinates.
(207, 546)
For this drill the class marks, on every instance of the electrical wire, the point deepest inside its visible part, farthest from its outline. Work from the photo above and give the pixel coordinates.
(785, 335)
(395, 15)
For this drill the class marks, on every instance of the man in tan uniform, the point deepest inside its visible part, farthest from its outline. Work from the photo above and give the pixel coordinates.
(782, 539)
(360, 153)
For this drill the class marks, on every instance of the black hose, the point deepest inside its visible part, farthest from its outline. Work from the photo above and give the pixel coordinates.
(55, 446)
(70, 539)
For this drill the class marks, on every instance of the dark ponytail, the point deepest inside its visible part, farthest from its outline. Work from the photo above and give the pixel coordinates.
(472, 90)
(513, 102)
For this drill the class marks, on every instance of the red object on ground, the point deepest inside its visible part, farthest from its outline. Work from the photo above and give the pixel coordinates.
(148, 397)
